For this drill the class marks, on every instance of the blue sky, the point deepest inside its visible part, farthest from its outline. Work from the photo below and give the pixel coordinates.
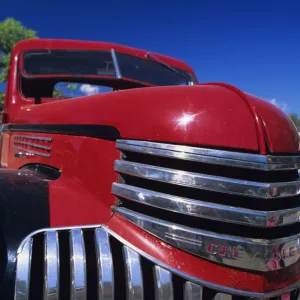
(254, 45)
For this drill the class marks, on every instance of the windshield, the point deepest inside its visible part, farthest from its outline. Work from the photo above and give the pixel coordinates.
(77, 63)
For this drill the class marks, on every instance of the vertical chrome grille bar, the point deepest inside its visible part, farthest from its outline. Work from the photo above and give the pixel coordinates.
(105, 266)
(193, 287)
(133, 273)
(78, 265)
(23, 272)
(51, 261)
(222, 296)
(193, 291)
(163, 284)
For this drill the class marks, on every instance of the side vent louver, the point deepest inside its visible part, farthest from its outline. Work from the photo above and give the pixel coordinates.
(29, 145)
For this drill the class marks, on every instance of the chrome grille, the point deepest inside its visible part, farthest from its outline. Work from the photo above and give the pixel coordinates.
(238, 209)
(102, 265)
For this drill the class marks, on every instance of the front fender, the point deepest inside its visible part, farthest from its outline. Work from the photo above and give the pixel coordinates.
(24, 207)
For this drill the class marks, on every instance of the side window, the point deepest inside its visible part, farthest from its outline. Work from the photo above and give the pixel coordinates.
(73, 89)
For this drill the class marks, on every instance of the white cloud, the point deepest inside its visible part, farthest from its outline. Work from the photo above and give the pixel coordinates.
(89, 89)
(282, 105)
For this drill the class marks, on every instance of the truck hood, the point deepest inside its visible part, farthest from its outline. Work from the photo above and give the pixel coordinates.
(209, 115)
(280, 133)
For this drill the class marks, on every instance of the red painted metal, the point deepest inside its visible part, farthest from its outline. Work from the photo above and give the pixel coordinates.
(82, 195)
(185, 115)
(199, 115)
(280, 133)
(255, 116)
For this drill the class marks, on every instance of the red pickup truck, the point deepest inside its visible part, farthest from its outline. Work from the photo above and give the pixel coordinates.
(154, 187)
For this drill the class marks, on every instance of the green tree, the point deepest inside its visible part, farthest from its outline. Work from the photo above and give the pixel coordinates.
(11, 32)
(295, 119)
(70, 88)
(2, 95)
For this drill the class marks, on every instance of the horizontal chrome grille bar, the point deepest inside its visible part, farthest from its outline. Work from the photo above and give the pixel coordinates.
(246, 253)
(207, 210)
(192, 288)
(211, 156)
(209, 182)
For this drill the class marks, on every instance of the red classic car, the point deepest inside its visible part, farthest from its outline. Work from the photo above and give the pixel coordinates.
(123, 177)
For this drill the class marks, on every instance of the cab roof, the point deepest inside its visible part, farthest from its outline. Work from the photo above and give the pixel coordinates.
(61, 44)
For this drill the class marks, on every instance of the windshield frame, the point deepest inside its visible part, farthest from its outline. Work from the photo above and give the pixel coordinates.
(117, 69)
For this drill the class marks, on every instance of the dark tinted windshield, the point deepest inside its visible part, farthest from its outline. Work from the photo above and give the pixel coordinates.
(68, 63)
(100, 63)
(149, 71)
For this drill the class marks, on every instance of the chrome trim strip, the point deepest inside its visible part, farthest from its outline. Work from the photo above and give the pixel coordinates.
(32, 137)
(220, 157)
(105, 265)
(78, 265)
(32, 151)
(133, 274)
(209, 182)
(116, 64)
(207, 210)
(33, 145)
(193, 291)
(204, 283)
(234, 251)
(163, 284)
(22, 154)
(51, 261)
(23, 271)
